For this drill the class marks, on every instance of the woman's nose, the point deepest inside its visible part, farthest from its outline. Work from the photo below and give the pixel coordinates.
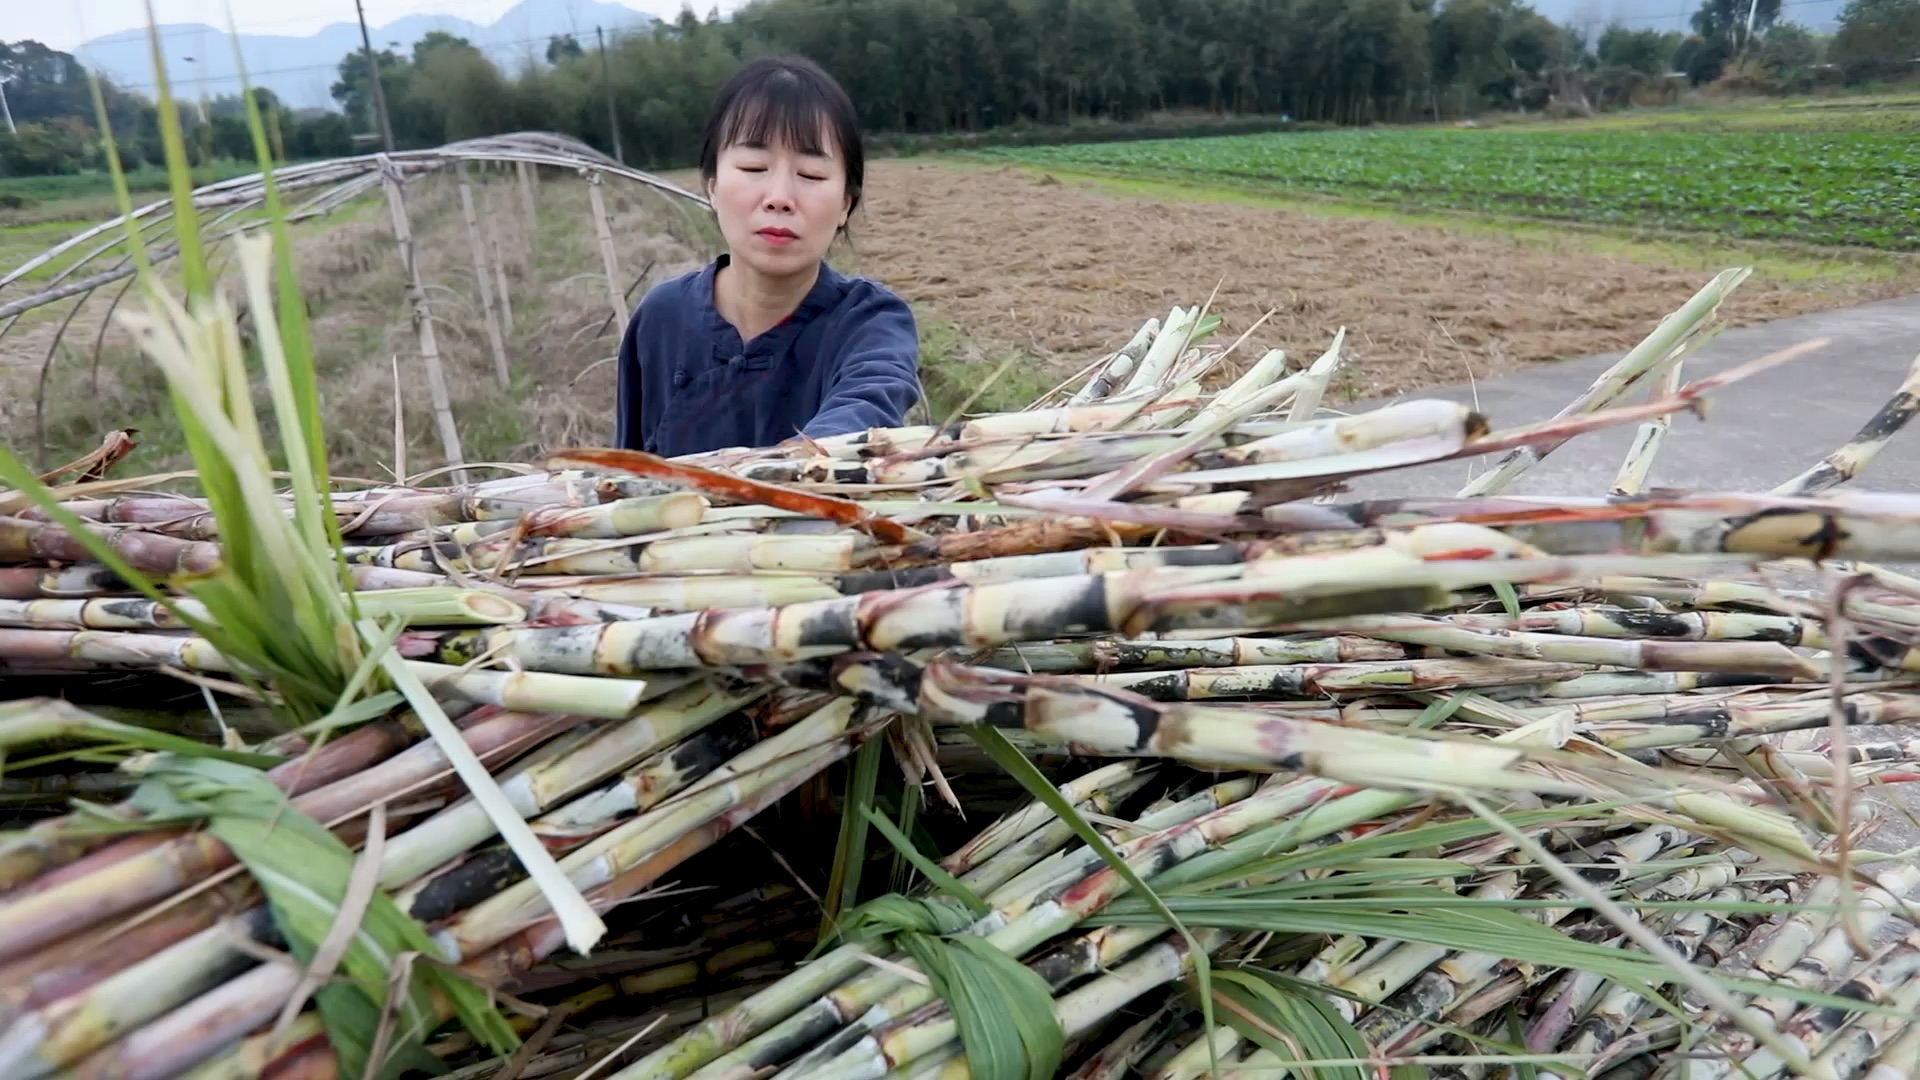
(779, 194)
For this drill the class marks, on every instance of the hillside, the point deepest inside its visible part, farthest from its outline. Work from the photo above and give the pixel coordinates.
(300, 69)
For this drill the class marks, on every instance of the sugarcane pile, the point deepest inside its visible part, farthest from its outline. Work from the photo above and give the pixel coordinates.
(1472, 785)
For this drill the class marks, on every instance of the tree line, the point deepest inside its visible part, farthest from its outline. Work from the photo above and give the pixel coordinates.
(926, 70)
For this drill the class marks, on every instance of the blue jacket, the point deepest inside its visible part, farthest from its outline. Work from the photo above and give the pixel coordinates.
(846, 360)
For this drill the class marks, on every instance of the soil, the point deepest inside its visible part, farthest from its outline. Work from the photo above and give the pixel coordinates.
(1068, 271)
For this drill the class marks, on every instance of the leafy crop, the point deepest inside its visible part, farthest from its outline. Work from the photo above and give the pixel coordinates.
(1853, 188)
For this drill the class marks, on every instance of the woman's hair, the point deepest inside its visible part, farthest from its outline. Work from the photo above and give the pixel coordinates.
(787, 99)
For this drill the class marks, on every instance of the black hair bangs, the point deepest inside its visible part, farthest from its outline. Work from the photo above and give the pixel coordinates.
(785, 101)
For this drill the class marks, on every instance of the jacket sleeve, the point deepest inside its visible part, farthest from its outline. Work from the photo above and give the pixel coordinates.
(876, 374)
(626, 405)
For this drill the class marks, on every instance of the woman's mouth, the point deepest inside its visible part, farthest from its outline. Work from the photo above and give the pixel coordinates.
(778, 237)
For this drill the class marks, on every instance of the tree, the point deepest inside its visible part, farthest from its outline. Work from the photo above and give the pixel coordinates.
(1648, 52)
(562, 48)
(1877, 38)
(1788, 55)
(1730, 22)
(354, 89)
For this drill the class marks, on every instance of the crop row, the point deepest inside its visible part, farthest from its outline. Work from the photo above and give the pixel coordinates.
(1841, 188)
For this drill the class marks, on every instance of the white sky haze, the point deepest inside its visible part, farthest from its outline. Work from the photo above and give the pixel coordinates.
(64, 25)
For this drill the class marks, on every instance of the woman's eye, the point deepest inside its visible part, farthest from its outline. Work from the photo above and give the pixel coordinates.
(810, 176)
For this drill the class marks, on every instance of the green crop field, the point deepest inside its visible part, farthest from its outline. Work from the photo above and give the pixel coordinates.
(1835, 187)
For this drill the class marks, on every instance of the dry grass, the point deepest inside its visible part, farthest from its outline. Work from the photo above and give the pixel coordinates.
(1066, 269)
(996, 261)
(362, 322)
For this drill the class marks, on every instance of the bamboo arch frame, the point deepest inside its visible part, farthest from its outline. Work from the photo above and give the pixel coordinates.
(327, 186)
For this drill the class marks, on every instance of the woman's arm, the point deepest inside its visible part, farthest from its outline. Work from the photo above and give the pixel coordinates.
(876, 376)
(626, 402)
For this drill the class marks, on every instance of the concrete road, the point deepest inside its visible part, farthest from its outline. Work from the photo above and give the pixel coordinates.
(1757, 433)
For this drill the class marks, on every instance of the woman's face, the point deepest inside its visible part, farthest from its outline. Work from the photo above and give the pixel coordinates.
(778, 208)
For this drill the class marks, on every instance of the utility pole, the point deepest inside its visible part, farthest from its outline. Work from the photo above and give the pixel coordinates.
(373, 77)
(4, 110)
(606, 82)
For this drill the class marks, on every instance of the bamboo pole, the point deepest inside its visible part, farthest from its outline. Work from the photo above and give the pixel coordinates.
(480, 272)
(499, 266)
(603, 229)
(526, 196)
(423, 324)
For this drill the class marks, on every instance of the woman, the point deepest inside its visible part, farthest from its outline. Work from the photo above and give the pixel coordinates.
(768, 343)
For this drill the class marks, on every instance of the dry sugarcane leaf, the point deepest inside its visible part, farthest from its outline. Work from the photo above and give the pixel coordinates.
(722, 485)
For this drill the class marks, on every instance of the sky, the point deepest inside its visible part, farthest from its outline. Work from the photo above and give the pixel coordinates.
(63, 25)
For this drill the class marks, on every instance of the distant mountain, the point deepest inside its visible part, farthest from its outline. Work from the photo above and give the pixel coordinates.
(300, 69)
(1594, 15)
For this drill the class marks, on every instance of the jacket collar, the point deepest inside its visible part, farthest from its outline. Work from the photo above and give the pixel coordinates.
(828, 287)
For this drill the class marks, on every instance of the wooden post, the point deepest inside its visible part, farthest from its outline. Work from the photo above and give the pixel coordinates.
(526, 195)
(604, 229)
(422, 320)
(499, 266)
(486, 287)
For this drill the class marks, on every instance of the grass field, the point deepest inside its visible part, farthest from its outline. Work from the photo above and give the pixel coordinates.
(1806, 176)
(1444, 253)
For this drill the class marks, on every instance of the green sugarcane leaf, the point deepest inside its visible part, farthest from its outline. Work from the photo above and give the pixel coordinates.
(1259, 853)
(1309, 1027)
(850, 854)
(909, 824)
(1509, 599)
(894, 913)
(1488, 928)
(1003, 1010)
(941, 879)
(1009, 757)
(304, 870)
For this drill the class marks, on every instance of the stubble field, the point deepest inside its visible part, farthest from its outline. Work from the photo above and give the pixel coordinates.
(1065, 267)
(1001, 258)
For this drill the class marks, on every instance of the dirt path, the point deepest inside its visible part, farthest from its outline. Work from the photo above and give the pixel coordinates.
(1067, 270)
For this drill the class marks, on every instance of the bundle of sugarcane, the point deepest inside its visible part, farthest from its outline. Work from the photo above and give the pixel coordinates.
(1478, 781)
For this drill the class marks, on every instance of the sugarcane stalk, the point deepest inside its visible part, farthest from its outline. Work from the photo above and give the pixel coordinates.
(622, 517)
(1817, 962)
(62, 1032)
(530, 691)
(23, 541)
(1768, 658)
(1846, 462)
(465, 882)
(1734, 718)
(56, 842)
(1120, 1054)
(1600, 622)
(1108, 654)
(1119, 366)
(1853, 1046)
(34, 582)
(1075, 1012)
(150, 873)
(1331, 680)
(236, 1009)
(1659, 346)
(541, 785)
(1072, 863)
(1021, 823)
(669, 593)
(1901, 1058)
(805, 746)
(1812, 1029)
(1632, 476)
